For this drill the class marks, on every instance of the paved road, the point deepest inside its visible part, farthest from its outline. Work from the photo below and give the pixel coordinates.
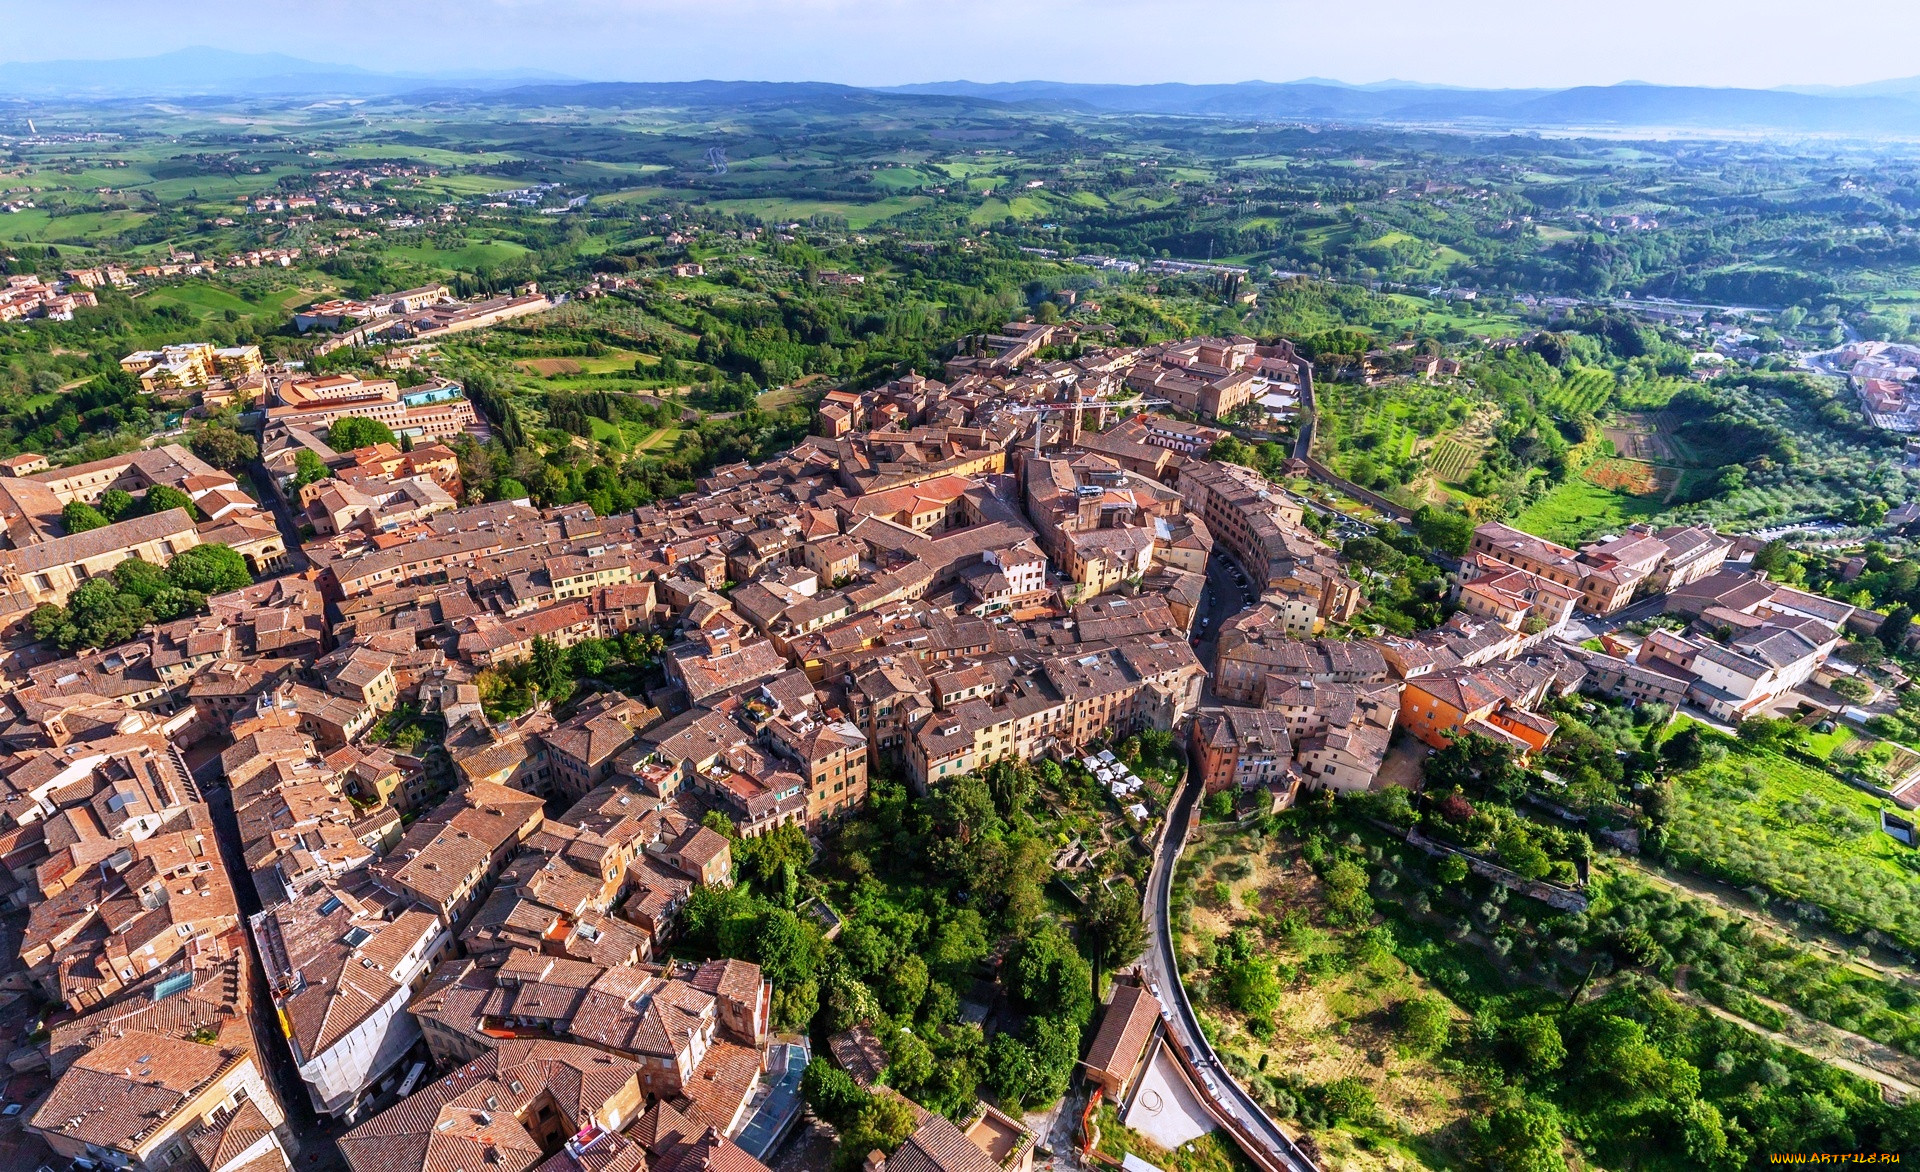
(1223, 598)
(1183, 1026)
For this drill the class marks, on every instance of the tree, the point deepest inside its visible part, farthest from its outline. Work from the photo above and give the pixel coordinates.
(1050, 977)
(79, 516)
(1252, 988)
(149, 585)
(1473, 761)
(222, 446)
(1445, 531)
(49, 622)
(1689, 749)
(1522, 1139)
(1535, 1040)
(550, 675)
(1346, 886)
(1452, 870)
(209, 569)
(101, 616)
(354, 431)
(1522, 854)
(1011, 784)
(832, 1094)
(162, 497)
(909, 1061)
(509, 489)
(115, 503)
(904, 985)
(884, 1122)
(1111, 930)
(1424, 1024)
(1895, 627)
(786, 947)
(308, 468)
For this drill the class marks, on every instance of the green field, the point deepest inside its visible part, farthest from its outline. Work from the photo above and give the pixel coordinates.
(472, 256)
(38, 226)
(1580, 509)
(858, 215)
(207, 300)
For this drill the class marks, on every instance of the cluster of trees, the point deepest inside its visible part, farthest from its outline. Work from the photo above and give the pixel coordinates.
(117, 504)
(109, 610)
(223, 445)
(353, 431)
(928, 888)
(1633, 1076)
(552, 672)
(1406, 592)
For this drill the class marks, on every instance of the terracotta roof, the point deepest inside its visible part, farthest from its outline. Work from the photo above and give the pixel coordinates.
(1124, 1031)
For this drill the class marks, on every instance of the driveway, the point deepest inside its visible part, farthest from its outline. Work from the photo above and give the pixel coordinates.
(1582, 627)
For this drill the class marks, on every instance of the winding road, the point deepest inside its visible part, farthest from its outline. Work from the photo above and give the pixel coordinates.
(1251, 1127)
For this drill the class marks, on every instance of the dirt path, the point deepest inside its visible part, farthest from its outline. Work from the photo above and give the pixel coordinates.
(1829, 1044)
(1877, 964)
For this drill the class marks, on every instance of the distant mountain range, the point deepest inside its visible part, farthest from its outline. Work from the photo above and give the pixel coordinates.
(1877, 109)
(205, 72)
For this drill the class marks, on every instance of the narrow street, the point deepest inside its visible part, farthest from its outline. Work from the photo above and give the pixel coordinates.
(312, 1135)
(1224, 597)
(282, 517)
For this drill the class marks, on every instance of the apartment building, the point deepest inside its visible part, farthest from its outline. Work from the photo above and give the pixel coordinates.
(341, 976)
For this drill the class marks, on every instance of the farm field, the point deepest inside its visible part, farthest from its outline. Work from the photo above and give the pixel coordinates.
(38, 226)
(1579, 509)
(468, 257)
(1579, 392)
(857, 215)
(1633, 477)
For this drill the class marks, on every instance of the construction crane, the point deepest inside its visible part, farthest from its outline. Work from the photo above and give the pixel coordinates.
(1077, 406)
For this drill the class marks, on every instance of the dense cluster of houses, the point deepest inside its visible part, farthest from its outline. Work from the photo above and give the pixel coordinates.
(1001, 566)
(43, 563)
(1884, 375)
(26, 295)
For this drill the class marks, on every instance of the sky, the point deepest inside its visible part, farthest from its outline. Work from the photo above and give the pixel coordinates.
(1527, 43)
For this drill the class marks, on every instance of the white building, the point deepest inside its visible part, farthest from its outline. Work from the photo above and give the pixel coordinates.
(341, 978)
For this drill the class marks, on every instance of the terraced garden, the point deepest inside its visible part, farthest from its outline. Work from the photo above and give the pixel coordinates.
(1757, 819)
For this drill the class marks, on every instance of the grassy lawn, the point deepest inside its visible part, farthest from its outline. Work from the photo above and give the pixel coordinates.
(858, 215)
(206, 299)
(1580, 509)
(1823, 745)
(471, 256)
(1758, 819)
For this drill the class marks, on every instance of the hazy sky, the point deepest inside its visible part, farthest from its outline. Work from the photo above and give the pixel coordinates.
(1462, 42)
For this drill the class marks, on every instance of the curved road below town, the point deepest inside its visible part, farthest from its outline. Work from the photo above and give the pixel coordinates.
(1253, 1123)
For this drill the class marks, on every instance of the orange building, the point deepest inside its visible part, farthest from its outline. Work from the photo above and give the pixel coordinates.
(1495, 701)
